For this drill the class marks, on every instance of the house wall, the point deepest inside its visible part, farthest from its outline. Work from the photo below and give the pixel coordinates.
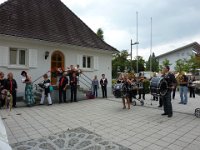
(176, 55)
(37, 65)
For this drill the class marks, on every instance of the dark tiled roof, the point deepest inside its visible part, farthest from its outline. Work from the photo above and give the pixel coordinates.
(48, 20)
(195, 46)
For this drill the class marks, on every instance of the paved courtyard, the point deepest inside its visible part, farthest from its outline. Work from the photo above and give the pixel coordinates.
(89, 123)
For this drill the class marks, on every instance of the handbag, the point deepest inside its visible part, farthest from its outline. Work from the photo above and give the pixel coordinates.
(51, 88)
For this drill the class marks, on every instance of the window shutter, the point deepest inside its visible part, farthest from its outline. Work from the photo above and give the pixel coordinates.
(79, 60)
(4, 57)
(96, 62)
(33, 58)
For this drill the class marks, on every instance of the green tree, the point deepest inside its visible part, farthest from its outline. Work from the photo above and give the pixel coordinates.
(179, 65)
(154, 65)
(100, 33)
(164, 63)
(194, 64)
(141, 63)
(188, 65)
(120, 63)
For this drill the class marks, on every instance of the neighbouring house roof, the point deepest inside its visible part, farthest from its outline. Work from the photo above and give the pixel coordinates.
(48, 20)
(195, 46)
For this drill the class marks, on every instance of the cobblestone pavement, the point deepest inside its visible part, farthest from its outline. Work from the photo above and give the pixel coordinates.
(140, 128)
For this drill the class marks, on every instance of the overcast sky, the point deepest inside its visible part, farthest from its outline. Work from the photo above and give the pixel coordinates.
(175, 22)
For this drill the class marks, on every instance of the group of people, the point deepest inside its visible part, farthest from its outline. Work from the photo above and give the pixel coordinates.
(9, 85)
(172, 82)
(63, 84)
(68, 78)
(133, 86)
(95, 86)
(130, 87)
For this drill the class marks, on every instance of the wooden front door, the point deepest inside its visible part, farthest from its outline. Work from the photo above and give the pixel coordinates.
(57, 61)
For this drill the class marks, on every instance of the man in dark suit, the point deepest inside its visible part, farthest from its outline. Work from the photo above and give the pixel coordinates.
(73, 84)
(63, 83)
(104, 83)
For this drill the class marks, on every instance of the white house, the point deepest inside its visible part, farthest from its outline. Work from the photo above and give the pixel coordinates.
(41, 35)
(184, 52)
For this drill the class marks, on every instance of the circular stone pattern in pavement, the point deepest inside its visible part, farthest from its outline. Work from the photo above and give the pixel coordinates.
(76, 139)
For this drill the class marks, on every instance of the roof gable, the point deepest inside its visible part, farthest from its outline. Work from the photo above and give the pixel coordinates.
(48, 20)
(195, 46)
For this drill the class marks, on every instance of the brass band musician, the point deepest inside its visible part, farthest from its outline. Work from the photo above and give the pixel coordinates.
(170, 79)
(126, 90)
(183, 84)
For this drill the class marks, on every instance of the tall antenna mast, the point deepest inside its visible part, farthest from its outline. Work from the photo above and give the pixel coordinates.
(137, 39)
(151, 47)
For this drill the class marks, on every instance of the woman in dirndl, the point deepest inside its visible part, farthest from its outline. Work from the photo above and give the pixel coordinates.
(29, 98)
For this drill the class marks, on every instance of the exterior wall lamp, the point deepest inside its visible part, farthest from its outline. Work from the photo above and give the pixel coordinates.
(46, 54)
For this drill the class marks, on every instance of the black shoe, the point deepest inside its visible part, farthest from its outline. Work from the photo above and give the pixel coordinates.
(49, 104)
(170, 115)
(164, 114)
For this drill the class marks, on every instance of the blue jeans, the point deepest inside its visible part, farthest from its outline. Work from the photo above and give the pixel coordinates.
(95, 88)
(183, 94)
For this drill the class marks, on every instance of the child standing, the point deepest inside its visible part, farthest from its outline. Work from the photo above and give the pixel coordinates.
(46, 92)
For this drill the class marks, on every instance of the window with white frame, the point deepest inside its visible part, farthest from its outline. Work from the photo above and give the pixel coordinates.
(87, 62)
(18, 56)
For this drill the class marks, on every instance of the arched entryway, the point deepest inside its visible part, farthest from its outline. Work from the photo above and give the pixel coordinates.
(57, 61)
